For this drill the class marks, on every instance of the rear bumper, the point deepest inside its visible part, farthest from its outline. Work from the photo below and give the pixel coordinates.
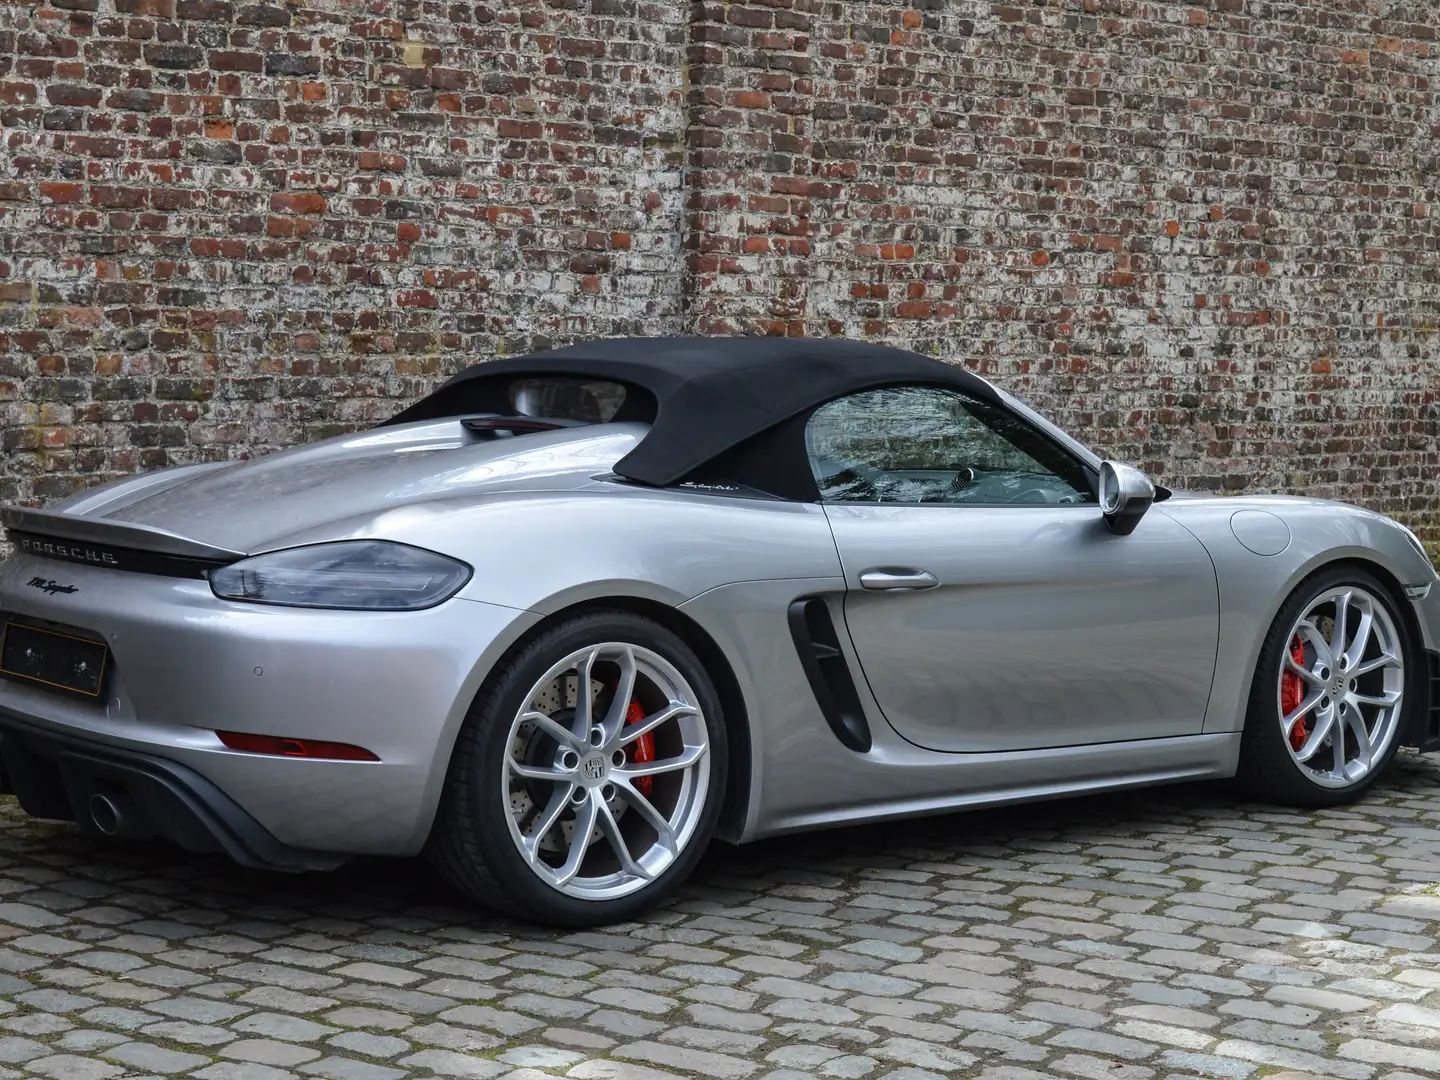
(57, 776)
(185, 665)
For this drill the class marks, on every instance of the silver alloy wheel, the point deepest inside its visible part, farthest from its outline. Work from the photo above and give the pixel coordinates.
(588, 814)
(1344, 661)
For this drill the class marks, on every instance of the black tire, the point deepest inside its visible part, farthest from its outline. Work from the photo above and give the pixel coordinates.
(470, 843)
(1267, 771)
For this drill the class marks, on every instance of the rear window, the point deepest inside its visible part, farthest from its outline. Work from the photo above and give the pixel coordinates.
(581, 401)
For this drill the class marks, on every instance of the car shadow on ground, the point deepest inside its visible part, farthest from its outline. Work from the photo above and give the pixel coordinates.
(371, 888)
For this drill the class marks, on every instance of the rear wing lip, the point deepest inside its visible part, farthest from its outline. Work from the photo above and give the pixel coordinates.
(52, 523)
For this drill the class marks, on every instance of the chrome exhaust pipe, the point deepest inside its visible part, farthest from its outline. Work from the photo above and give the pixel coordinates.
(111, 814)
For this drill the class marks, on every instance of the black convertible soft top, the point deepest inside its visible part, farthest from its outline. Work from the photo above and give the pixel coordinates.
(711, 395)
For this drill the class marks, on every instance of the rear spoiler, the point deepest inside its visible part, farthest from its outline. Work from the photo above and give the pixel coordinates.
(59, 525)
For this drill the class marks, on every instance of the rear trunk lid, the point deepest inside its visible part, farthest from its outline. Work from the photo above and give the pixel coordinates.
(221, 512)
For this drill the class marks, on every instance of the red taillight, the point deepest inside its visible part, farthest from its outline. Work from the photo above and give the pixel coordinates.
(276, 746)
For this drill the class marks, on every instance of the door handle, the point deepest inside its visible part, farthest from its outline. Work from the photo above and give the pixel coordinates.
(896, 579)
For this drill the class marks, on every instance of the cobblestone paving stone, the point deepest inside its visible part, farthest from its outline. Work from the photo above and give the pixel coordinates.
(1174, 932)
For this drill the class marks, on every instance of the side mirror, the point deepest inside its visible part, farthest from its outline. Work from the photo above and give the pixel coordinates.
(1125, 494)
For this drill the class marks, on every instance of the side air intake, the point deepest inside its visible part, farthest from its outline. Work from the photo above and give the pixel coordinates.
(1426, 737)
(829, 675)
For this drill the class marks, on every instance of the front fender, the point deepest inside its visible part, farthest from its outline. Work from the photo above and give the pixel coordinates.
(1253, 587)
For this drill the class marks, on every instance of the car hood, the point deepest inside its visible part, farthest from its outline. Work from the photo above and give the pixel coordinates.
(350, 482)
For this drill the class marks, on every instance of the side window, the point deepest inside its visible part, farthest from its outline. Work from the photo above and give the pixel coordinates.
(923, 444)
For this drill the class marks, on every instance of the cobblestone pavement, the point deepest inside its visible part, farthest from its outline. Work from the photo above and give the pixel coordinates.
(1167, 933)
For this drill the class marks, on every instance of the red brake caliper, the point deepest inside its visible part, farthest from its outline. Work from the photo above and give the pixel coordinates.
(643, 748)
(1292, 693)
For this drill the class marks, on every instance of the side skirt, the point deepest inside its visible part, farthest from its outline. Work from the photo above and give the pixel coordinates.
(982, 780)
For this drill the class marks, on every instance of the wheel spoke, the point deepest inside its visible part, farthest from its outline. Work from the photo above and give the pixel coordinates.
(554, 729)
(646, 809)
(655, 720)
(1304, 672)
(547, 819)
(1337, 744)
(1356, 723)
(624, 691)
(1301, 709)
(1361, 641)
(1384, 701)
(1384, 660)
(585, 815)
(584, 698)
(1311, 634)
(611, 829)
(539, 772)
(689, 757)
(1341, 629)
(1316, 738)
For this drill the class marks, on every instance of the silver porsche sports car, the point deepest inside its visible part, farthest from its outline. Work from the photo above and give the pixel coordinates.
(571, 616)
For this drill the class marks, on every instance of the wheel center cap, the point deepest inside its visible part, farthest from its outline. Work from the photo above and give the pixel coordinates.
(1337, 687)
(594, 770)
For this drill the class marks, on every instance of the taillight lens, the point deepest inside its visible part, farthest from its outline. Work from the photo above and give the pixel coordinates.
(353, 575)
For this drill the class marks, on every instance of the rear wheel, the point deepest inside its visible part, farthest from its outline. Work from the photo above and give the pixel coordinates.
(587, 779)
(1329, 697)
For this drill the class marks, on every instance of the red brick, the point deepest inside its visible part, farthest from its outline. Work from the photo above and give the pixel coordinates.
(16, 93)
(57, 191)
(236, 60)
(297, 203)
(914, 309)
(105, 195)
(73, 96)
(164, 9)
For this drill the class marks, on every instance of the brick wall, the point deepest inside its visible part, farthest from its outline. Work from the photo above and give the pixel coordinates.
(1200, 234)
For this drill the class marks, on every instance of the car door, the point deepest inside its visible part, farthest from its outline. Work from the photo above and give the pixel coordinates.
(990, 607)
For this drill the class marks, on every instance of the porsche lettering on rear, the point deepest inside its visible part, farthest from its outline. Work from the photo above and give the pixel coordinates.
(55, 549)
(560, 623)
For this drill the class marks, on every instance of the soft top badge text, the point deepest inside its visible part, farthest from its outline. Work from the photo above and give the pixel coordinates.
(50, 587)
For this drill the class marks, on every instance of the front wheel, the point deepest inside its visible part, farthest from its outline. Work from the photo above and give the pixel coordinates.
(1331, 691)
(587, 779)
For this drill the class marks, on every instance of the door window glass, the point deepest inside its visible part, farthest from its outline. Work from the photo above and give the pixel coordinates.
(924, 444)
